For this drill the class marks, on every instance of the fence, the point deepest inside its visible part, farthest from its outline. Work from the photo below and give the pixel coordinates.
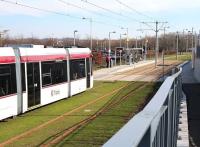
(157, 124)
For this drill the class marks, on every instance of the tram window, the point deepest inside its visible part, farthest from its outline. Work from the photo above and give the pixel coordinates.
(54, 72)
(60, 72)
(7, 79)
(77, 69)
(46, 73)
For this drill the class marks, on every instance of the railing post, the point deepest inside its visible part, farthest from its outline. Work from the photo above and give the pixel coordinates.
(175, 112)
(169, 120)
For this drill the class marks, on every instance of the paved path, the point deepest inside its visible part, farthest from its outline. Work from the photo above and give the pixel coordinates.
(191, 88)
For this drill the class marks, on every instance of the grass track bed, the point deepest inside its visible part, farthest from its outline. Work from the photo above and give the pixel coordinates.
(116, 116)
(103, 127)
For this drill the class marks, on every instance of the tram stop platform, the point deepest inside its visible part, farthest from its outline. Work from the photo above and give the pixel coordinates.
(191, 88)
(105, 73)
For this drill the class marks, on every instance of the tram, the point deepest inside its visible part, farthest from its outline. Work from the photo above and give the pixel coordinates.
(33, 76)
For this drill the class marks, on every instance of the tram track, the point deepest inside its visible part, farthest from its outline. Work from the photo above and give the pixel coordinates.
(108, 106)
(144, 68)
(152, 67)
(148, 69)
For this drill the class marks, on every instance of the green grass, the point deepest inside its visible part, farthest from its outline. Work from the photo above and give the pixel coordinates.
(102, 128)
(181, 57)
(37, 117)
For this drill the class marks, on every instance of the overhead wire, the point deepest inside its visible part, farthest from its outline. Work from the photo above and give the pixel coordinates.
(68, 15)
(110, 11)
(90, 11)
(54, 12)
(39, 9)
(120, 14)
(136, 11)
(76, 6)
(139, 13)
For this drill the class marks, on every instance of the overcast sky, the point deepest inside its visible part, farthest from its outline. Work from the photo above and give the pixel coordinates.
(22, 21)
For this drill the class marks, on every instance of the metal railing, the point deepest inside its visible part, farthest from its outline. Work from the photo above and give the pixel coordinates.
(157, 124)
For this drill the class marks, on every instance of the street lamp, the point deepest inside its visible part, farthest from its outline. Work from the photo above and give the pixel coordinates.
(164, 39)
(126, 36)
(164, 29)
(145, 53)
(192, 38)
(184, 38)
(120, 43)
(187, 43)
(109, 50)
(184, 31)
(75, 31)
(177, 37)
(136, 42)
(90, 19)
(1, 34)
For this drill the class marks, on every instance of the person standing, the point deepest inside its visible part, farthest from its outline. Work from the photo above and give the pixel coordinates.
(107, 61)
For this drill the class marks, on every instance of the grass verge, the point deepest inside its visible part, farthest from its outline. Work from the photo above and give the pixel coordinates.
(181, 57)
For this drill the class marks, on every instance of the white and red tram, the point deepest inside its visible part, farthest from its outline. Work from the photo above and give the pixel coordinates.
(35, 76)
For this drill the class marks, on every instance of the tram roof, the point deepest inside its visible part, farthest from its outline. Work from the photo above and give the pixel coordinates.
(33, 53)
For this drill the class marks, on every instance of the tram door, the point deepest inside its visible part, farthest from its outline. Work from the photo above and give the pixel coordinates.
(33, 78)
(88, 72)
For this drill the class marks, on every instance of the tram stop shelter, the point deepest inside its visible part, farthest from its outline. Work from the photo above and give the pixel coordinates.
(133, 55)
